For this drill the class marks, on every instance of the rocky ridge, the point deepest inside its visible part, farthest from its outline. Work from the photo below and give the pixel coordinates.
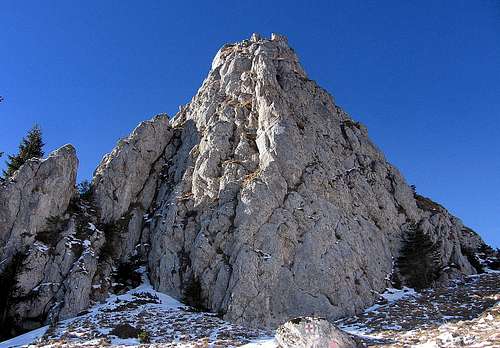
(262, 200)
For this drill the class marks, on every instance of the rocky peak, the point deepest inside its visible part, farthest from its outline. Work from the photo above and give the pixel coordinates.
(262, 200)
(278, 204)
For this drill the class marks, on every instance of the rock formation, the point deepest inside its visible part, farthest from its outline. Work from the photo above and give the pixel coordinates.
(276, 203)
(312, 332)
(262, 200)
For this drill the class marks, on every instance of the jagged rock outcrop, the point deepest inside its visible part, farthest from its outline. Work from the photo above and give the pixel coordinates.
(126, 176)
(262, 200)
(39, 190)
(66, 248)
(125, 183)
(276, 203)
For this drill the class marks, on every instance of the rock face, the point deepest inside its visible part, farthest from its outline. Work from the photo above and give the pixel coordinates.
(276, 203)
(312, 333)
(126, 176)
(263, 200)
(125, 183)
(41, 189)
(60, 252)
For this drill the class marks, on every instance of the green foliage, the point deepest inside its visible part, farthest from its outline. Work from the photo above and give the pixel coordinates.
(490, 256)
(419, 261)
(472, 258)
(193, 294)
(427, 204)
(85, 190)
(352, 124)
(144, 337)
(50, 236)
(8, 289)
(31, 147)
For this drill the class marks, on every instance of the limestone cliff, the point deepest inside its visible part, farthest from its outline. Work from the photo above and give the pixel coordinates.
(276, 203)
(262, 200)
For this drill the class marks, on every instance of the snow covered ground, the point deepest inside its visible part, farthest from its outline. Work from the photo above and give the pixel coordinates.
(467, 313)
(25, 339)
(143, 315)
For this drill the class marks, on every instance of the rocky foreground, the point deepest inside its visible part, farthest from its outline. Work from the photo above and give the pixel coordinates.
(464, 314)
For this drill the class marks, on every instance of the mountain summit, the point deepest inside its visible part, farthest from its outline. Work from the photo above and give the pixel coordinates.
(261, 200)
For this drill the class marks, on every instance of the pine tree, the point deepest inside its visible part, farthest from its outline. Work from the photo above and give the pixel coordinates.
(31, 147)
(419, 261)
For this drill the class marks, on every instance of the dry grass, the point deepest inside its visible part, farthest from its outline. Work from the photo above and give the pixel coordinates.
(195, 151)
(249, 178)
(232, 161)
(185, 197)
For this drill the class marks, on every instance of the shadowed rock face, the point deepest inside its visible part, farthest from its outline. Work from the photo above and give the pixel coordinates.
(263, 200)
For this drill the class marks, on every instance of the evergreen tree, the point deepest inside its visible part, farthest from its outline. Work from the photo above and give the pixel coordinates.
(1, 179)
(419, 261)
(31, 147)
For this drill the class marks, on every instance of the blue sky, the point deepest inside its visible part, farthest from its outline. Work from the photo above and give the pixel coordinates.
(424, 76)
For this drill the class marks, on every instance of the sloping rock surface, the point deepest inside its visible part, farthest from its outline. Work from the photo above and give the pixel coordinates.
(39, 190)
(62, 252)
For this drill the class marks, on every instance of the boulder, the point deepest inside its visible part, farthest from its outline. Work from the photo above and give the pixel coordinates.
(308, 332)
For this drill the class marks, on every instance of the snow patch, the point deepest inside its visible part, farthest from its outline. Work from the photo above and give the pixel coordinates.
(25, 339)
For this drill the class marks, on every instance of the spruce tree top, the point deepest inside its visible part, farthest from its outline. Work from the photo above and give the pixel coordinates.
(30, 147)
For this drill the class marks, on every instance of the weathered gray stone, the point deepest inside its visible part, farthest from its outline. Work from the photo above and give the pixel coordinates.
(276, 203)
(40, 189)
(123, 177)
(310, 332)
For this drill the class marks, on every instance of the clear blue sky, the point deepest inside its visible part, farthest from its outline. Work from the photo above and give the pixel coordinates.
(424, 76)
